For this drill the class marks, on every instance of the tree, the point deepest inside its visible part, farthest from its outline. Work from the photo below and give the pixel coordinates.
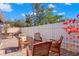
(47, 17)
(28, 20)
(36, 9)
(20, 23)
(43, 16)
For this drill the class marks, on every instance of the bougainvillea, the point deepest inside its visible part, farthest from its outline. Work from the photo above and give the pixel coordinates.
(71, 28)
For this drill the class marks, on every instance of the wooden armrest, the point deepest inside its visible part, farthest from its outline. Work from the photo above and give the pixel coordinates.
(26, 43)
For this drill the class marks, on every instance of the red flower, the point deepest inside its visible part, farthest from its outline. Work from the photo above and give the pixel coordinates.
(78, 37)
(65, 23)
(73, 20)
(69, 27)
(69, 21)
(69, 32)
(72, 30)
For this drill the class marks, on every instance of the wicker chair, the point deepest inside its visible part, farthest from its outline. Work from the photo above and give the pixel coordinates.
(37, 38)
(55, 47)
(41, 49)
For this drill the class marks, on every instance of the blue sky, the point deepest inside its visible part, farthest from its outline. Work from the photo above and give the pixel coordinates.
(18, 10)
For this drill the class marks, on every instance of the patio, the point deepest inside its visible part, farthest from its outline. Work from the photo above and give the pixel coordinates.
(68, 47)
(11, 46)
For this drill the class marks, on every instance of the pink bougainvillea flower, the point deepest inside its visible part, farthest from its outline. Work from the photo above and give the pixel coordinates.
(65, 23)
(73, 20)
(69, 27)
(72, 30)
(78, 37)
(69, 32)
(65, 28)
(77, 30)
(69, 21)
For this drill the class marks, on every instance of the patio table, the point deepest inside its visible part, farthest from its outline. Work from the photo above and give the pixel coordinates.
(28, 48)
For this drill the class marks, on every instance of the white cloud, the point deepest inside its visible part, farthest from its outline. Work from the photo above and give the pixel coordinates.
(68, 3)
(23, 14)
(62, 13)
(5, 7)
(51, 6)
(54, 11)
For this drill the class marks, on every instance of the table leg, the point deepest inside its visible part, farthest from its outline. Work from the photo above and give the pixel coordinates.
(19, 43)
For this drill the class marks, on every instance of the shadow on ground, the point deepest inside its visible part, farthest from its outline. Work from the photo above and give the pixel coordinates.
(10, 49)
(65, 52)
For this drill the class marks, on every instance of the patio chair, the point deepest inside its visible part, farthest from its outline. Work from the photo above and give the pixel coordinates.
(55, 47)
(18, 36)
(37, 38)
(41, 49)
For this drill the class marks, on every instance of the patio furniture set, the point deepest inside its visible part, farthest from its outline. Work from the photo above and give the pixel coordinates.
(39, 47)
